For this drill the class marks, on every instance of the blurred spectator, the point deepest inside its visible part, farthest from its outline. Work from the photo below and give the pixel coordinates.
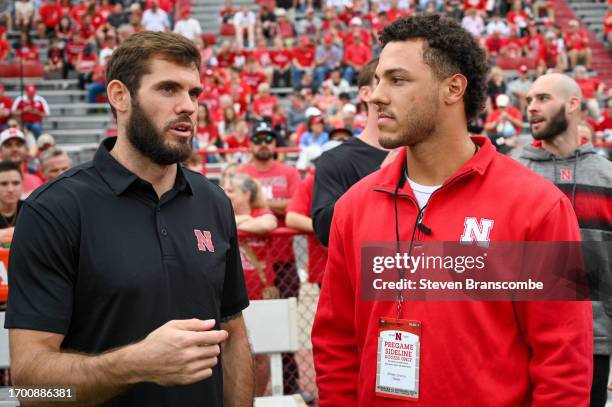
(227, 12)
(155, 18)
(296, 113)
(45, 142)
(118, 16)
(337, 83)
(577, 44)
(252, 74)
(64, 30)
(108, 46)
(54, 162)
(309, 26)
(194, 163)
(13, 148)
(284, 27)
(267, 21)
(331, 21)
(51, 13)
(24, 14)
(85, 66)
(316, 134)
(299, 217)
(591, 88)
(5, 107)
(326, 100)
(551, 55)
(73, 49)
(518, 17)
(11, 190)
(498, 25)
(503, 125)
(303, 60)
(97, 86)
(207, 53)
(5, 48)
(473, 23)
(263, 103)
(240, 137)
(188, 26)
(227, 126)
(55, 59)
(263, 56)
(77, 12)
(533, 41)
(496, 85)
(327, 57)
(207, 133)
(31, 109)
(279, 182)
(281, 61)
(543, 8)
(356, 55)
(518, 88)
(244, 23)
(26, 52)
(608, 24)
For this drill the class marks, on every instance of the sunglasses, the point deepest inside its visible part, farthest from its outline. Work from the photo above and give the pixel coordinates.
(263, 139)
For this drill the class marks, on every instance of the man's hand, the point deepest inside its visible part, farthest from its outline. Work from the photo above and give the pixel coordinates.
(179, 352)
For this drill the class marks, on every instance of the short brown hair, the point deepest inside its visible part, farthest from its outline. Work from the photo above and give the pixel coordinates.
(132, 60)
(366, 75)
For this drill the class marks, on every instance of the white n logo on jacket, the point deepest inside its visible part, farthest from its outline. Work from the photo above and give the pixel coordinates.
(477, 231)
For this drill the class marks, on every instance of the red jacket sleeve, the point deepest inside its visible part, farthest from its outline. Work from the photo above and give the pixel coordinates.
(560, 334)
(336, 356)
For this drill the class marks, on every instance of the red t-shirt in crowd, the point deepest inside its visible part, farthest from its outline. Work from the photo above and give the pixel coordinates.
(253, 79)
(5, 103)
(73, 50)
(279, 182)
(23, 102)
(305, 56)
(51, 14)
(226, 59)
(588, 87)
(577, 40)
(233, 142)
(512, 111)
(206, 135)
(30, 183)
(479, 5)
(29, 54)
(533, 42)
(549, 54)
(366, 38)
(395, 13)
(519, 19)
(255, 250)
(77, 13)
(5, 48)
(263, 56)
(317, 254)
(281, 58)
(358, 54)
(264, 106)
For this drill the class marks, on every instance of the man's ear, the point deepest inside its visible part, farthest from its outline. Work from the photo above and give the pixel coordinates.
(118, 96)
(573, 105)
(454, 88)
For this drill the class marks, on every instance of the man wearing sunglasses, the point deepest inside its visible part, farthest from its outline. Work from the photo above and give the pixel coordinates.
(279, 181)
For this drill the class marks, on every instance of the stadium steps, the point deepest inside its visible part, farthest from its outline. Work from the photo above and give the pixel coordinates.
(586, 12)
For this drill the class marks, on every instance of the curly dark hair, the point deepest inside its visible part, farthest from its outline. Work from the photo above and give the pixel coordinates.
(448, 49)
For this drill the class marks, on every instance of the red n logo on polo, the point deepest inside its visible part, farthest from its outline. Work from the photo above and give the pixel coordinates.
(204, 240)
(398, 336)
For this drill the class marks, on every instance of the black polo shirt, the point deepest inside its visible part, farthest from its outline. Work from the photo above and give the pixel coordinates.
(97, 257)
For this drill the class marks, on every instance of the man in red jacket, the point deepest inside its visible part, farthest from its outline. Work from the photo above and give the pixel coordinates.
(444, 187)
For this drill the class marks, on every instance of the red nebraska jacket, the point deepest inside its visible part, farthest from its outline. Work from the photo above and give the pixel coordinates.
(502, 354)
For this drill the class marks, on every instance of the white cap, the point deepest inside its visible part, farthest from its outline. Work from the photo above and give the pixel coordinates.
(312, 111)
(502, 100)
(349, 109)
(356, 21)
(10, 134)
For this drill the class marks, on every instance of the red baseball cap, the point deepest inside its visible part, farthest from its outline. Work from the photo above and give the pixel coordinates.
(328, 38)
(523, 68)
(317, 120)
(30, 88)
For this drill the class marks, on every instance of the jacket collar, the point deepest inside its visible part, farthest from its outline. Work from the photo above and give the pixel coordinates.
(387, 178)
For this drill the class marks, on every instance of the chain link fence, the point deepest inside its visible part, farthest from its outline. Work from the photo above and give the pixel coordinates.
(284, 264)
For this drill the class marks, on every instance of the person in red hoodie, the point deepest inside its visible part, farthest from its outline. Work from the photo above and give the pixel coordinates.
(431, 80)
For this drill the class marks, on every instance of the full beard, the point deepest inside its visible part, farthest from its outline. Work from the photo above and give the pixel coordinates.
(264, 155)
(145, 137)
(558, 125)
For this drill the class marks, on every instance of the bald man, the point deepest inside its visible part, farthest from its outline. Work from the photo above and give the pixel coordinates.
(553, 109)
